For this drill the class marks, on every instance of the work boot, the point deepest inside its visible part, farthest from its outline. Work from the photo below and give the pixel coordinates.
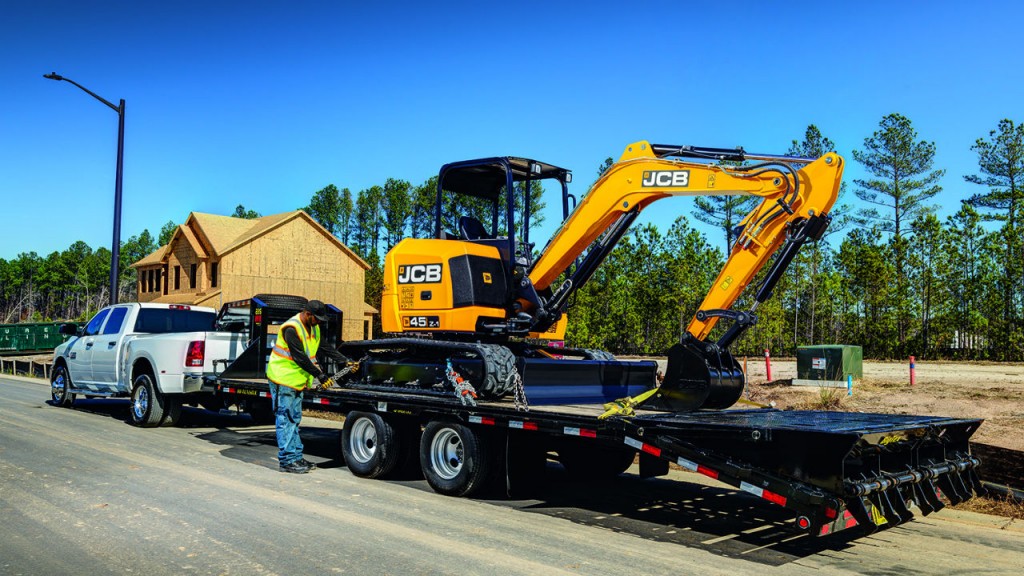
(297, 467)
(308, 464)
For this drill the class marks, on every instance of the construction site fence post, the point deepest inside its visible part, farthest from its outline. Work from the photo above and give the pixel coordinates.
(849, 384)
(768, 364)
(913, 376)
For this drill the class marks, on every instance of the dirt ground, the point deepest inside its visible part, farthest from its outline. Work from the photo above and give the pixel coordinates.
(991, 391)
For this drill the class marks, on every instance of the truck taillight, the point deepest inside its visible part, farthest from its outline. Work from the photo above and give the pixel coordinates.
(196, 353)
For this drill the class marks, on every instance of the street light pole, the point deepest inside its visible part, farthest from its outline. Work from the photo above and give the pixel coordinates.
(115, 249)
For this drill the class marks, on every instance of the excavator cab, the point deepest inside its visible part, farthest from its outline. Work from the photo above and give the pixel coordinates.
(471, 278)
(476, 192)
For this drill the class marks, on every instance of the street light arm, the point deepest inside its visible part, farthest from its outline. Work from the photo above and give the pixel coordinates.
(58, 77)
(115, 245)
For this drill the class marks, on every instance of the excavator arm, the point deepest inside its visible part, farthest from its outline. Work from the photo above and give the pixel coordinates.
(795, 204)
(796, 196)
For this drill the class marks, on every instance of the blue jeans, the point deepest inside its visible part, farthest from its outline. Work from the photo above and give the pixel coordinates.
(288, 412)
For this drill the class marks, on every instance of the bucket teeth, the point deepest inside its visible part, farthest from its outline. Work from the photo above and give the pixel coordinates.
(952, 486)
(975, 482)
(860, 509)
(926, 498)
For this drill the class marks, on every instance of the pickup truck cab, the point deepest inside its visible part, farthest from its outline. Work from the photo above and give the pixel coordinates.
(156, 354)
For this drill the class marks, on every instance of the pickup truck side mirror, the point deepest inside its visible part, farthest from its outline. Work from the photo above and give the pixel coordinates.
(69, 329)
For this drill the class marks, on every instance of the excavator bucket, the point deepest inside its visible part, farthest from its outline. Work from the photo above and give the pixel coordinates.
(698, 376)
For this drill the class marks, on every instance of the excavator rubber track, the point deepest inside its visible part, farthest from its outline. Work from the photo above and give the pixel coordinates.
(419, 365)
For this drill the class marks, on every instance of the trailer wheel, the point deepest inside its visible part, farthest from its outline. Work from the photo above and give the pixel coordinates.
(147, 408)
(60, 388)
(595, 461)
(454, 458)
(370, 445)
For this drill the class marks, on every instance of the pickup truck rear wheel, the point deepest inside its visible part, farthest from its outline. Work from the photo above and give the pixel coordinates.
(455, 459)
(60, 387)
(147, 408)
(370, 445)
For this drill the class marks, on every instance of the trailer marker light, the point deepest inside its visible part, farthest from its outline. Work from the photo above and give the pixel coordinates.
(707, 472)
(322, 401)
(803, 522)
(830, 513)
(520, 425)
(583, 432)
(482, 420)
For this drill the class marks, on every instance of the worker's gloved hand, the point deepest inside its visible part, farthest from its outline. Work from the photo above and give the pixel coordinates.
(324, 381)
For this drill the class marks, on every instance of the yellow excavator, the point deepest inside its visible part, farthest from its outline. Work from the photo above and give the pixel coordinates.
(480, 291)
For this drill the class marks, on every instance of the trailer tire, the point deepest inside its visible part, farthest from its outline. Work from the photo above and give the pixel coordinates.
(61, 387)
(370, 444)
(147, 408)
(595, 461)
(454, 458)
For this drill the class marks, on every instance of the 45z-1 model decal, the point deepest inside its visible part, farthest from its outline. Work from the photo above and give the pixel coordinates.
(419, 274)
(421, 322)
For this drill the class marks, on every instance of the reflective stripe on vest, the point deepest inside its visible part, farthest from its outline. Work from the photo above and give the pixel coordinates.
(282, 369)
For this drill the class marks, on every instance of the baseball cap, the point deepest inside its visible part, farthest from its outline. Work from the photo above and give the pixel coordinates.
(317, 309)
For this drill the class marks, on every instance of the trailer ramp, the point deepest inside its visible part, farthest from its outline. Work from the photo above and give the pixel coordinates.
(837, 470)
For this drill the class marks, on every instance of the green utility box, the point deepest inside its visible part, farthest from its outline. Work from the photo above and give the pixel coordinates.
(829, 363)
(29, 338)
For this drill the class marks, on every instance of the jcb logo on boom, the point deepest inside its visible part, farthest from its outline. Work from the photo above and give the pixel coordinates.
(666, 178)
(419, 274)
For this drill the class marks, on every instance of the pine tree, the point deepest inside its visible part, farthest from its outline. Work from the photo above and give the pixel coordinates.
(903, 182)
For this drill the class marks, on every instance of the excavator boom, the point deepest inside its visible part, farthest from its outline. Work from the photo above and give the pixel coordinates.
(645, 174)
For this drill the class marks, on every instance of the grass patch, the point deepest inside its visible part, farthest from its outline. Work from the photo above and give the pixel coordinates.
(994, 505)
(323, 414)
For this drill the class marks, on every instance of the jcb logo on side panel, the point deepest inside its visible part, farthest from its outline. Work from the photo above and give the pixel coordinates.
(419, 274)
(666, 178)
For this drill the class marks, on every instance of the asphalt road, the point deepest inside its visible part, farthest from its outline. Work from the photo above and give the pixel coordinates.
(83, 492)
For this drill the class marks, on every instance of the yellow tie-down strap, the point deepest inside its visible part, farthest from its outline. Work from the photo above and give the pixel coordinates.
(624, 406)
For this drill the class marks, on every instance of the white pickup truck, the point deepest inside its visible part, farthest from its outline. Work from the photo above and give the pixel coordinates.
(156, 354)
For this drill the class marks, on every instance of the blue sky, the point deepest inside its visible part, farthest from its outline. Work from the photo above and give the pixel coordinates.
(262, 103)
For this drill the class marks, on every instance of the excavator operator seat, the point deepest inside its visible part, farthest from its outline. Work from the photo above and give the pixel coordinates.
(473, 229)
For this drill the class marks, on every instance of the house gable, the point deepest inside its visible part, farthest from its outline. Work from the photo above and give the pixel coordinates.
(233, 259)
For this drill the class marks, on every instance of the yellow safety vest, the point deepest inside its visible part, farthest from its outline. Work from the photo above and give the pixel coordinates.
(282, 369)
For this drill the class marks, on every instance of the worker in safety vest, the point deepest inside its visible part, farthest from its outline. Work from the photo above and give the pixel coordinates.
(292, 369)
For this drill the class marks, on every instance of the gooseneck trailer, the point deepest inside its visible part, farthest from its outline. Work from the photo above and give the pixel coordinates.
(833, 470)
